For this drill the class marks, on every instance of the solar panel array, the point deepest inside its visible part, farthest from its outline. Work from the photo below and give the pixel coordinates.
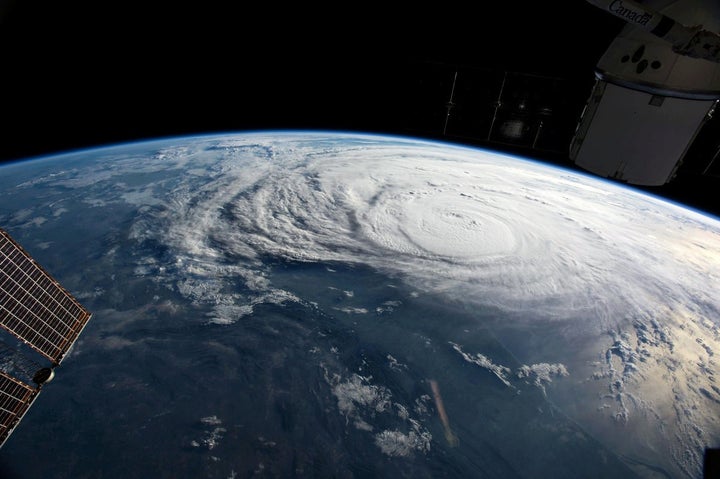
(38, 311)
(34, 306)
(15, 399)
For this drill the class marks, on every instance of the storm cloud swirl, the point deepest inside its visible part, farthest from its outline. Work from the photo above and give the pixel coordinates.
(463, 222)
(626, 277)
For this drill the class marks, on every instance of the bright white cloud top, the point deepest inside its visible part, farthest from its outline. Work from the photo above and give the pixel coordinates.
(472, 223)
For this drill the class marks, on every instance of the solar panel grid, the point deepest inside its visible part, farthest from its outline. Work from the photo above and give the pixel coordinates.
(26, 317)
(15, 399)
(35, 307)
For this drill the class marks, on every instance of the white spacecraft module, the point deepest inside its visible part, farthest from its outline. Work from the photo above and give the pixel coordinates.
(656, 86)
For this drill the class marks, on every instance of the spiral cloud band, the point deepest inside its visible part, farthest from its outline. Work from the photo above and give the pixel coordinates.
(474, 224)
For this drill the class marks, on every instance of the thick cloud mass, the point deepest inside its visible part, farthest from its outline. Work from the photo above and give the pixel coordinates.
(474, 224)
(623, 272)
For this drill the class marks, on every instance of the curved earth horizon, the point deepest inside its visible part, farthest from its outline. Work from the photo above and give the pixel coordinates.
(316, 304)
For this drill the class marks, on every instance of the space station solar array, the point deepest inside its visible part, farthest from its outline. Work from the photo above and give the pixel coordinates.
(38, 312)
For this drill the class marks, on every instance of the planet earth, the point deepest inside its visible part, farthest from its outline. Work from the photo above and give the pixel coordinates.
(341, 304)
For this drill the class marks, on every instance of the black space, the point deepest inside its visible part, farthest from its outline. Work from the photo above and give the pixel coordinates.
(80, 74)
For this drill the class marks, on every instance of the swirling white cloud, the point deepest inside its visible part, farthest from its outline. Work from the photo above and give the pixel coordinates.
(469, 223)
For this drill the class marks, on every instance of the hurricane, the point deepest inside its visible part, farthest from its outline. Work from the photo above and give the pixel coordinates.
(470, 223)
